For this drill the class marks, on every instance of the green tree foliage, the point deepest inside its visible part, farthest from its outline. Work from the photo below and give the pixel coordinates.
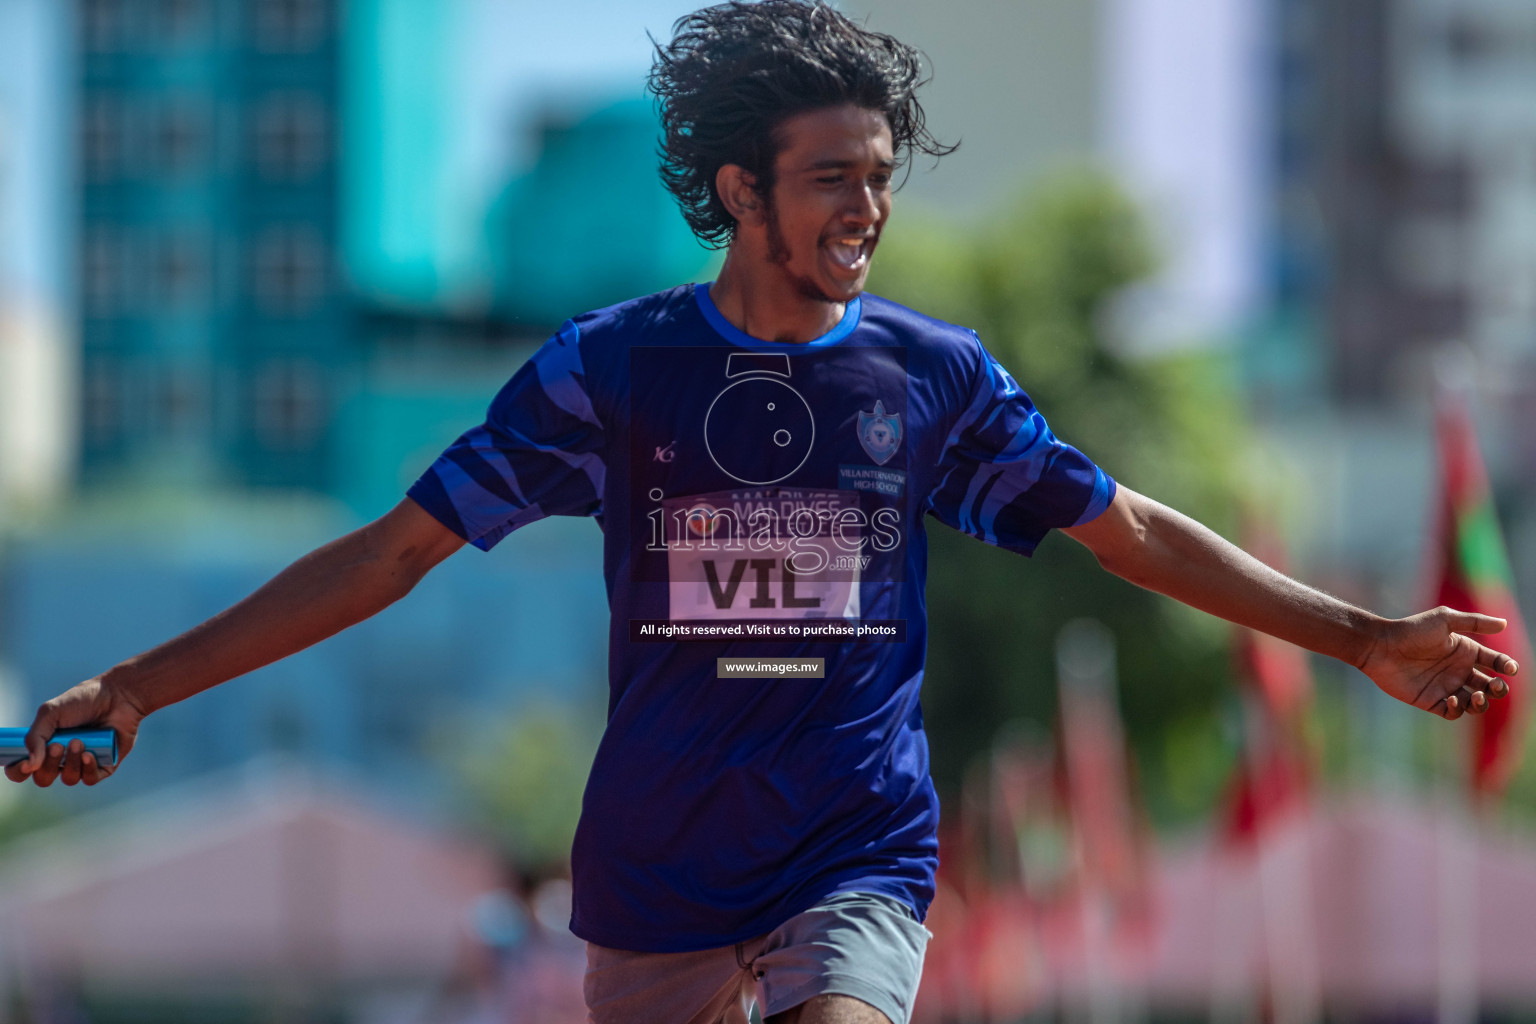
(523, 782)
(25, 810)
(1034, 284)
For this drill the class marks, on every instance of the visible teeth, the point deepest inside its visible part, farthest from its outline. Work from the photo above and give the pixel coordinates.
(849, 252)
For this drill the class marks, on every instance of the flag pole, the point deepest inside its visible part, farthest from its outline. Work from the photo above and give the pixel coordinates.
(1269, 827)
(1463, 510)
(1456, 989)
(1104, 839)
(1282, 862)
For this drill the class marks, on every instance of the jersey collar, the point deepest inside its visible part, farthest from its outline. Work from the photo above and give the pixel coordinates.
(736, 336)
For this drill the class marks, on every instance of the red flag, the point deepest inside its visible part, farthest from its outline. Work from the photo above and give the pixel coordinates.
(1274, 775)
(1474, 575)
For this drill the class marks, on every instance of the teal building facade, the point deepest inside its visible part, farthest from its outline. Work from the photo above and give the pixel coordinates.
(212, 321)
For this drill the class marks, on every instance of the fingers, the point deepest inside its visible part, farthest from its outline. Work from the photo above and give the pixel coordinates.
(53, 764)
(43, 725)
(69, 774)
(1472, 697)
(1475, 622)
(92, 771)
(1477, 703)
(1451, 708)
(70, 765)
(1496, 661)
(82, 705)
(80, 765)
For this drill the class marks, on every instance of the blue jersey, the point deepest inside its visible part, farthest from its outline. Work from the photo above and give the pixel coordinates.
(759, 500)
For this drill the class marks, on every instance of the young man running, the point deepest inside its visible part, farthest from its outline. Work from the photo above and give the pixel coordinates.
(760, 453)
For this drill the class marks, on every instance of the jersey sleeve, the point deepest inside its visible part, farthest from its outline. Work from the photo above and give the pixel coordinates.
(538, 453)
(1004, 478)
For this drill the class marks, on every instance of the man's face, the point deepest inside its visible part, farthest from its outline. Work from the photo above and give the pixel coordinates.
(830, 199)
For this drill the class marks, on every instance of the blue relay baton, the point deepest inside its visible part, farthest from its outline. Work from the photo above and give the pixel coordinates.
(99, 743)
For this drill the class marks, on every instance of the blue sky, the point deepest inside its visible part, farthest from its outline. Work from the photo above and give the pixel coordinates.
(33, 130)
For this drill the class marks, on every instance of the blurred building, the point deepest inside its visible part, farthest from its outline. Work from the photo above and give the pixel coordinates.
(1401, 254)
(1345, 186)
(502, 157)
(1183, 122)
(553, 247)
(253, 387)
(1020, 86)
(1362, 220)
(1167, 94)
(212, 323)
(1406, 171)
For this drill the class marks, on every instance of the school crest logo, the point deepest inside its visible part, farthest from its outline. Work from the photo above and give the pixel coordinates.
(879, 433)
(703, 520)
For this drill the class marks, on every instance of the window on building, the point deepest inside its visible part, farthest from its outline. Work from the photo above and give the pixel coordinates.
(1442, 188)
(103, 137)
(290, 25)
(1470, 39)
(289, 270)
(105, 267)
(182, 22)
(104, 25)
(288, 404)
(183, 278)
(1430, 253)
(290, 136)
(182, 136)
(101, 401)
(181, 401)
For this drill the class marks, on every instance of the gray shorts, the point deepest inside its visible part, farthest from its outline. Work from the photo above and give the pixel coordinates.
(857, 944)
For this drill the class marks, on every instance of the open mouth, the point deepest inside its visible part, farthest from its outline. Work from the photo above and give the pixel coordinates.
(850, 252)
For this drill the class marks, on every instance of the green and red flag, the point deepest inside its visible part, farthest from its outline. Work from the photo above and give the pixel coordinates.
(1473, 574)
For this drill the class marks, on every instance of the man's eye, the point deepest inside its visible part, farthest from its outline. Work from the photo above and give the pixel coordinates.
(831, 179)
(880, 181)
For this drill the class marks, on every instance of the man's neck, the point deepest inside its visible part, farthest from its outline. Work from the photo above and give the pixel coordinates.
(762, 301)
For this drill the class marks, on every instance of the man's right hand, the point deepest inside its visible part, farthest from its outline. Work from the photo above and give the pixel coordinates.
(93, 702)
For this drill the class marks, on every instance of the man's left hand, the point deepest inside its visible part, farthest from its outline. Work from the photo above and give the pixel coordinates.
(1429, 660)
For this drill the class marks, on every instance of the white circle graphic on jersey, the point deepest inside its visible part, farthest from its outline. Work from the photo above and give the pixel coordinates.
(759, 430)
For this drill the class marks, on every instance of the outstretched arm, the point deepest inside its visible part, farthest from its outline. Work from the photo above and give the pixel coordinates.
(327, 590)
(1427, 660)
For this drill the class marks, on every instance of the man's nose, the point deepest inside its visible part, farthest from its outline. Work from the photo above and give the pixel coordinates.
(863, 206)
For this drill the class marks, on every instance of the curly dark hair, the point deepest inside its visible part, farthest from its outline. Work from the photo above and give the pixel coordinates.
(734, 72)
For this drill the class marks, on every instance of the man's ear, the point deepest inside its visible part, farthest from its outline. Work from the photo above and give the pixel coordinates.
(737, 189)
